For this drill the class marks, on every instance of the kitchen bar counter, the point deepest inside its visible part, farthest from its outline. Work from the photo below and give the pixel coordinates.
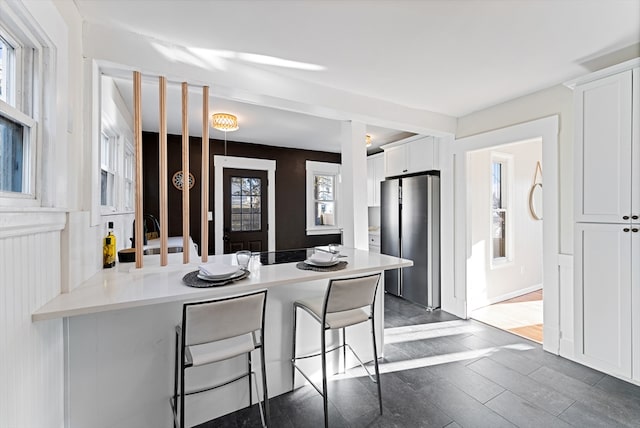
(125, 287)
(119, 329)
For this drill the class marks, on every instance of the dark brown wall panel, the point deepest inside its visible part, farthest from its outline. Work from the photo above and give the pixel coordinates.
(290, 186)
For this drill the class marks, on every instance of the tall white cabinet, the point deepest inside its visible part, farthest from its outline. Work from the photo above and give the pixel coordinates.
(607, 214)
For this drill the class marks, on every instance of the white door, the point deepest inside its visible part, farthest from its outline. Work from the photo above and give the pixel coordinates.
(603, 297)
(603, 149)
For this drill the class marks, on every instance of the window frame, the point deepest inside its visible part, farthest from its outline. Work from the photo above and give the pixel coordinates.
(506, 206)
(115, 127)
(314, 168)
(24, 104)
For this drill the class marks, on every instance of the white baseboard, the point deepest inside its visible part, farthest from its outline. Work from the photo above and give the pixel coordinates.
(486, 302)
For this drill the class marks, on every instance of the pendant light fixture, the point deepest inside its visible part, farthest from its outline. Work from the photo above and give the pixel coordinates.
(224, 122)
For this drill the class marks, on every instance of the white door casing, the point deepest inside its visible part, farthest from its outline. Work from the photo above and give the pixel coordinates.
(221, 162)
(455, 217)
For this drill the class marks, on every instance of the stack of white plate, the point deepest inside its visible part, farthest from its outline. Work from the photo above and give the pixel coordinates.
(322, 259)
(219, 272)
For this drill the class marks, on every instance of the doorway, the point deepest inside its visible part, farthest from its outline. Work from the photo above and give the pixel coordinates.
(245, 210)
(505, 258)
(456, 218)
(221, 164)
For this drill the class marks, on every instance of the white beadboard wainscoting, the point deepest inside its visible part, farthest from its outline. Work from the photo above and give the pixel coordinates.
(32, 357)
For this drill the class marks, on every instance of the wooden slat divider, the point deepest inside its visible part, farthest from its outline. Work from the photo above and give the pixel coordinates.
(137, 124)
(185, 173)
(204, 240)
(164, 204)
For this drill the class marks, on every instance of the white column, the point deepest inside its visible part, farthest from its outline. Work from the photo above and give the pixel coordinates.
(353, 200)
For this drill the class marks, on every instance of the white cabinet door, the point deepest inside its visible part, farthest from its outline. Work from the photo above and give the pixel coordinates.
(375, 174)
(378, 162)
(412, 157)
(635, 150)
(603, 149)
(420, 155)
(603, 298)
(370, 182)
(395, 161)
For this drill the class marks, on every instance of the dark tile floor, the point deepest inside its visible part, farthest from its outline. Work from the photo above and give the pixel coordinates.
(439, 371)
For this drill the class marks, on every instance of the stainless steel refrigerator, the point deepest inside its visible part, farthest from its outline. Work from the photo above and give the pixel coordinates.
(410, 228)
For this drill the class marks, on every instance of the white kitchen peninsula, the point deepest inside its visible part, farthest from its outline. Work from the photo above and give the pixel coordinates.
(119, 332)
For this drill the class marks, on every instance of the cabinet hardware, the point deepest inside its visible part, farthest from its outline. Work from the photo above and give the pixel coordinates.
(626, 229)
(634, 230)
(625, 217)
(405, 170)
(635, 217)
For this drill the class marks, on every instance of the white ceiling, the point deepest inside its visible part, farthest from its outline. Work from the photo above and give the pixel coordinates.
(451, 57)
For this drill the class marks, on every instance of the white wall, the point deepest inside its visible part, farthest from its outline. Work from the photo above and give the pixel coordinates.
(523, 272)
(557, 100)
(32, 354)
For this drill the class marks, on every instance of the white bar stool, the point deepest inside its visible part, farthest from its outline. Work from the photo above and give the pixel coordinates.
(346, 302)
(216, 330)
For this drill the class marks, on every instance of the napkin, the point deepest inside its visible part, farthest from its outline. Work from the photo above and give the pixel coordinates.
(212, 269)
(321, 257)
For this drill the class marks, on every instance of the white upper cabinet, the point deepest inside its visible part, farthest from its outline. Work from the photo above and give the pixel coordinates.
(411, 157)
(375, 174)
(606, 150)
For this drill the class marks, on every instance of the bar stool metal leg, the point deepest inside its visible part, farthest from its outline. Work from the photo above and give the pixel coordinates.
(249, 366)
(323, 346)
(293, 353)
(175, 385)
(265, 394)
(375, 363)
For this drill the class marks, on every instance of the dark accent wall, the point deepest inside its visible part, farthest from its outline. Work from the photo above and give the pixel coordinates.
(290, 191)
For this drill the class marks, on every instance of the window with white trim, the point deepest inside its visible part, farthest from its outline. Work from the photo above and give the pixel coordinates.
(323, 190)
(128, 176)
(501, 221)
(18, 137)
(117, 179)
(107, 169)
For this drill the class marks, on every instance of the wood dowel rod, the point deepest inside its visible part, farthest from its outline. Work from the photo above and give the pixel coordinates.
(164, 204)
(137, 123)
(204, 240)
(185, 173)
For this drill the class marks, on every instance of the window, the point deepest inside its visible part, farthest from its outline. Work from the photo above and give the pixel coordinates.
(324, 199)
(17, 127)
(107, 170)
(323, 180)
(117, 158)
(500, 214)
(128, 177)
(7, 71)
(246, 206)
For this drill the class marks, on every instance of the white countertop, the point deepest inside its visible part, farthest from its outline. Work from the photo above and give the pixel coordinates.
(126, 287)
